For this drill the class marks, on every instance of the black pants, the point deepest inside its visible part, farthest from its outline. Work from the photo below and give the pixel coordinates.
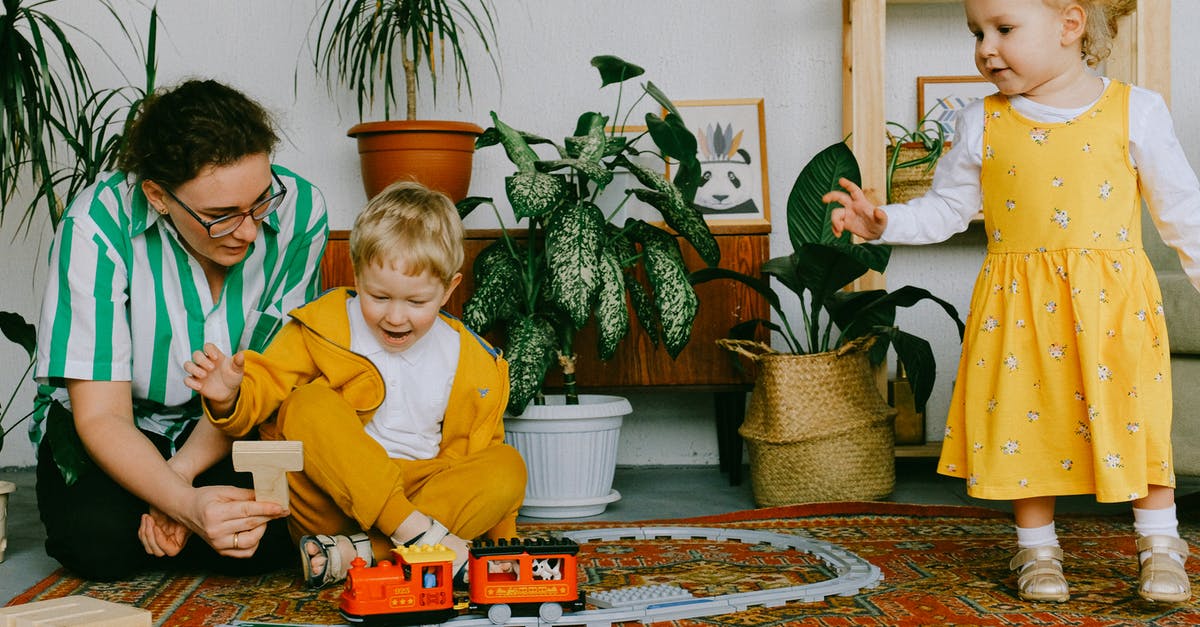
(91, 526)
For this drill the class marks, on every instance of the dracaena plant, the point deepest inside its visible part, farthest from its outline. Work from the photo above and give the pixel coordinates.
(571, 265)
(817, 270)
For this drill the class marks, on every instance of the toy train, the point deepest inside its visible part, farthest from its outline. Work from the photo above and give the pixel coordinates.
(506, 577)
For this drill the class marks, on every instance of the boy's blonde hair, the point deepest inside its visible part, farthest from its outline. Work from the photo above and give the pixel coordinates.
(1101, 29)
(412, 224)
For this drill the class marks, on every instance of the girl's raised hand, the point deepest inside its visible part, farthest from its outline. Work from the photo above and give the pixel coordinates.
(856, 214)
(216, 377)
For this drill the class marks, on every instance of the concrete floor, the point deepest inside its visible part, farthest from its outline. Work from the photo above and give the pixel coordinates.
(646, 493)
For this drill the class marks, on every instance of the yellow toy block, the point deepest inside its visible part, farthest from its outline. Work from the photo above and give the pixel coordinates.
(78, 611)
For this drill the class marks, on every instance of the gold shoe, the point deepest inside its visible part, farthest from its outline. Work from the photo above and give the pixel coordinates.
(1162, 577)
(1040, 575)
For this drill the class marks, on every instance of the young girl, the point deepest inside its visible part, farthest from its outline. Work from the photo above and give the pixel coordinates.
(1064, 383)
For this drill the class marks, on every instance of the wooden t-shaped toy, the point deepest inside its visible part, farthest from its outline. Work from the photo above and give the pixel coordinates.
(268, 462)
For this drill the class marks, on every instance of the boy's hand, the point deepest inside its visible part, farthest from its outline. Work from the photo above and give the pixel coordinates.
(216, 377)
(856, 214)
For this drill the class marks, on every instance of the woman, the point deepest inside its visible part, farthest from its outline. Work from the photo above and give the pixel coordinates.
(198, 238)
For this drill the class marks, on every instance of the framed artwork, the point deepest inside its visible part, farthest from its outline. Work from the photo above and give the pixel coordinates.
(731, 137)
(940, 98)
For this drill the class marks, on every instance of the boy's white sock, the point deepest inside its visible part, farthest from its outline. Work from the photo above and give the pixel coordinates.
(1033, 537)
(1156, 522)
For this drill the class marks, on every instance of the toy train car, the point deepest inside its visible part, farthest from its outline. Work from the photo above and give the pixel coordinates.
(416, 589)
(530, 577)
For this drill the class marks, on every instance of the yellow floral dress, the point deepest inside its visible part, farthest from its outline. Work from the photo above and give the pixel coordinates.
(1064, 383)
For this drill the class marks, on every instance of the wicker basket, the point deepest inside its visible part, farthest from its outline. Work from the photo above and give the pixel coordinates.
(912, 182)
(816, 427)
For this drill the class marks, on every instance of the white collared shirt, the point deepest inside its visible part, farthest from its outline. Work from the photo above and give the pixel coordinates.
(409, 422)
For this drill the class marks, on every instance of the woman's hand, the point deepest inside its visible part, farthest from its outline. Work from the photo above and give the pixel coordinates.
(856, 214)
(216, 377)
(161, 535)
(229, 519)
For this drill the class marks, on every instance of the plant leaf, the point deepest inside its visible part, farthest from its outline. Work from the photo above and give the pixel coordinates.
(573, 237)
(498, 288)
(534, 194)
(679, 214)
(19, 331)
(917, 357)
(660, 97)
(808, 217)
(612, 314)
(674, 297)
(470, 203)
(529, 352)
(615, 69)
(69, 455)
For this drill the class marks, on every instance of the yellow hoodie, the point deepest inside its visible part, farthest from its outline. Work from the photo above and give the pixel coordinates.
(313, 347)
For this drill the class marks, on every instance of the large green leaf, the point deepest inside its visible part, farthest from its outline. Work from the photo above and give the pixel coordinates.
(679, 214)
(515, 146)
(529, 351)
(917, 357)
(573, 237)
(660, 97)
(808, 216)
(674, 297)
(612, 315)
(498, 287)
(615, 69)
(534, 194)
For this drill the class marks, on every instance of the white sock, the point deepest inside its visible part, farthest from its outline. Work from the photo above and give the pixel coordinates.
(1033, 537)
(1156, 522)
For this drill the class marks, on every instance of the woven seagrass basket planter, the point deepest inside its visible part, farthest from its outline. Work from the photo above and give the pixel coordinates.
(909, 183)
(817, 430)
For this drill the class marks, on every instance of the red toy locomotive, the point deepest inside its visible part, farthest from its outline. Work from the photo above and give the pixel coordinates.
(530, 576)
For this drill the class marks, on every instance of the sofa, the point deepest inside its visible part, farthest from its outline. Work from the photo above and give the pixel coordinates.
(1181, 302)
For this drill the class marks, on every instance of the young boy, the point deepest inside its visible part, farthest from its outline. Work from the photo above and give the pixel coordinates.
(399, 406)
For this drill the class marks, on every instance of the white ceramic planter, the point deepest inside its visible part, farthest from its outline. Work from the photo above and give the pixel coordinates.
(6, 487)
(570, 452)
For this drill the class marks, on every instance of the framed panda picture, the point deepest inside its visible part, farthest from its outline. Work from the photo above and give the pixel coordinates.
(731, 137)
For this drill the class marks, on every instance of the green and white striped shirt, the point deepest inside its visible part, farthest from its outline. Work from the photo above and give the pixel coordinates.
(125, 301)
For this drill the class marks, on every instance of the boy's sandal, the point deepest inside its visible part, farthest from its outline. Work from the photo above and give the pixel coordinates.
(1162, 577)
(335, 570)
(1040, 574)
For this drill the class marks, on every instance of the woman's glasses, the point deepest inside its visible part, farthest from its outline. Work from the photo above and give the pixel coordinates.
(227, 224)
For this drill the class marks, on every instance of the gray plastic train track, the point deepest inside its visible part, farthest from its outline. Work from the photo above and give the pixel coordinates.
(853, 575)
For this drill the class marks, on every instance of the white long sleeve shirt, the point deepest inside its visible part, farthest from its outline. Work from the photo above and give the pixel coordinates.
(1169, 185)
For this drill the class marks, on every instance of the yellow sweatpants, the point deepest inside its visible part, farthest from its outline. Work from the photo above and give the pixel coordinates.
(349, 484)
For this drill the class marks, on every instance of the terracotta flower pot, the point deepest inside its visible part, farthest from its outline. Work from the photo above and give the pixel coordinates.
(436, 153)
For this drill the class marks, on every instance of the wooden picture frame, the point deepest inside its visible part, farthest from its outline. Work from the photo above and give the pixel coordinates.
(940, 98)
(732, 139)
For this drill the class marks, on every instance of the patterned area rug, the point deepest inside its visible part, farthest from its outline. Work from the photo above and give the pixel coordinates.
(941, 566)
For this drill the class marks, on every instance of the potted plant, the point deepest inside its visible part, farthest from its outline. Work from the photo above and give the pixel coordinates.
(365, 45)
(910, 148)
(842, 334)
(48, 101)
(571, 266)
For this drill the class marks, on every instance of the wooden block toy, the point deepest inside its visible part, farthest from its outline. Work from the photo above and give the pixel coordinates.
(268, 462)
(74, 610)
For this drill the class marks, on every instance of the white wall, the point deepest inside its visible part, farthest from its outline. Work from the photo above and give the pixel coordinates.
(785, 51)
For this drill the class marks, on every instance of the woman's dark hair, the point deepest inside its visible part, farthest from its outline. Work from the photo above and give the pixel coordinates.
(198, 123)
